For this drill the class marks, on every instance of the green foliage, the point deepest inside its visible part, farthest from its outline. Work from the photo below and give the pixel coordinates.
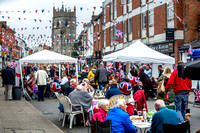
(74, 54)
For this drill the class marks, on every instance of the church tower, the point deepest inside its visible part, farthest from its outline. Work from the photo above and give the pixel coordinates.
(63, 30)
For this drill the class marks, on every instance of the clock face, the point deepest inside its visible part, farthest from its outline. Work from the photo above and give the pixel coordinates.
(62, 32)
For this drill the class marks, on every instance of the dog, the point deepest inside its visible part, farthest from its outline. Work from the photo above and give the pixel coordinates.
(187, 117)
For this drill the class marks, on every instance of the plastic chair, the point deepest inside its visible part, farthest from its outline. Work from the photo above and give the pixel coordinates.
(115, 97)
(67, 105)
(181, 128)
(103, 127)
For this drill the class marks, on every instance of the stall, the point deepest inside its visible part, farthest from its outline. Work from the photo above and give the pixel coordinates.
(138, 52)
(46, 56)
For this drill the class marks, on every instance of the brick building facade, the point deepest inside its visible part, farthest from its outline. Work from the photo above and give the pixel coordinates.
(9, 49)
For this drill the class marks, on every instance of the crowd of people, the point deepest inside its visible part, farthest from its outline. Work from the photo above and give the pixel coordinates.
(101, 81)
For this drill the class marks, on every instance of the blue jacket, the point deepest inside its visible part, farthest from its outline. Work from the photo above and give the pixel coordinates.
(163, 116)
(8, 76)
(120, 121)
(114, 90)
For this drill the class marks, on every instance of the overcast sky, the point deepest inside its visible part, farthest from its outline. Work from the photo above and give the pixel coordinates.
(13, 10)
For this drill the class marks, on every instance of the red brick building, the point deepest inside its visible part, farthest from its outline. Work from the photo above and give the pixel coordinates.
(9, 50)
(148, 20)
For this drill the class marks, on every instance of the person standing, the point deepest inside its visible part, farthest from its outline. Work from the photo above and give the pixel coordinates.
(160, 71)
(91, 76)
(181, 88)
(52, 72)
(41, 78)
(102, 76)
(8, 77)
(148, 71)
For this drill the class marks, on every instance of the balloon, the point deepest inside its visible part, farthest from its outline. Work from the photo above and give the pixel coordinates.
(133, 81)
(125, 87)
(55, 87)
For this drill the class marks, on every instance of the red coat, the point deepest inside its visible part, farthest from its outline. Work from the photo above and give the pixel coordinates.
(100, 114)
(178, 84)
(130, 109)
(141, 100)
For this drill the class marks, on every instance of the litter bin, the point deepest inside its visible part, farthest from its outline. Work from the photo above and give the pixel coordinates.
(16, 92)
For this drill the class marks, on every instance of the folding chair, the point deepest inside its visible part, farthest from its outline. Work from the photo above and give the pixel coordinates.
(181, 128)
(103, 127)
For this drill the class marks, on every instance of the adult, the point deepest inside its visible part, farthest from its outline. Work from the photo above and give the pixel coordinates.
(41, 78)
(148, 71)
(100, 112)
(134, 72)
(8, 77)
(102, 76)
(139, 96)
(88, 87)
(31, 84)
(146, 81)
(162, 116)
(64, 82)
(160, 71)
(73, 85)
(28, 70)
(181, 88)
(118, 76)
(165, 77)
(120, 120)
(82, 97)
(83, 75)
(52, 72)
(91, 76)
(114, 90)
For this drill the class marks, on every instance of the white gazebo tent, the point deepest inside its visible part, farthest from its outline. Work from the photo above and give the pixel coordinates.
(46, 56)
(138, 52)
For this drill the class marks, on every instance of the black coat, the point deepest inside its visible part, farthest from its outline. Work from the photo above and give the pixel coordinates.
(8, 76)
(101, 75)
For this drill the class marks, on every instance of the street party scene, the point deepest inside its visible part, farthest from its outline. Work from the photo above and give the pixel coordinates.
(126, 66)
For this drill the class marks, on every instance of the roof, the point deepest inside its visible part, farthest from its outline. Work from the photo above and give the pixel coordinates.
(194, 44)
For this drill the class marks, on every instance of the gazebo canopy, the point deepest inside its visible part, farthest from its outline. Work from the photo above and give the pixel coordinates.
(138, 52)
(46, 56)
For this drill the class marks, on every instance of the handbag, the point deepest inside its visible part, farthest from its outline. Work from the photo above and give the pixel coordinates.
(92, 80)
(35, 89)
(161, 87)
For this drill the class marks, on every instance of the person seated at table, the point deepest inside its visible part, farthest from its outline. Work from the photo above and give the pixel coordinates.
(114, 90)
(73, 85)
(64, 82)
(100, 112)
(88, 87)
(162, 116)
(80, 96)
(140, 98)
(120, 120)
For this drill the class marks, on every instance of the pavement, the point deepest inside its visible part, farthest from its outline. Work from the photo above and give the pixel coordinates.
(19, 116)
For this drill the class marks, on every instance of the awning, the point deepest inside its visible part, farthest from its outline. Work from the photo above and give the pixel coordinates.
(194, 44)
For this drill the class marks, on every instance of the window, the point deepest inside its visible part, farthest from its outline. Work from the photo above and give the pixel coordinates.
(111, 32)
(130, 25)
(129, 1)
(124, 28)
(104, 38)
(115, 8)
(151, 18)
(111, 11)
(170, 14)
(144, 20)
(104, 12)
(143, 2)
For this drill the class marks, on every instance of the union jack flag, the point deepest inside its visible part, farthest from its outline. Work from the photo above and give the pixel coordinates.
(109, 64)
(191, 50)
(197, 95)
(119, 34)
(13, 65)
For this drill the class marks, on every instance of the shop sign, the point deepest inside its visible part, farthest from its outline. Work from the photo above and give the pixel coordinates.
(163, 47)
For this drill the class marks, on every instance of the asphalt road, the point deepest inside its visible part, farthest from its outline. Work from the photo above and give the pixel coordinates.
(50, 109)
